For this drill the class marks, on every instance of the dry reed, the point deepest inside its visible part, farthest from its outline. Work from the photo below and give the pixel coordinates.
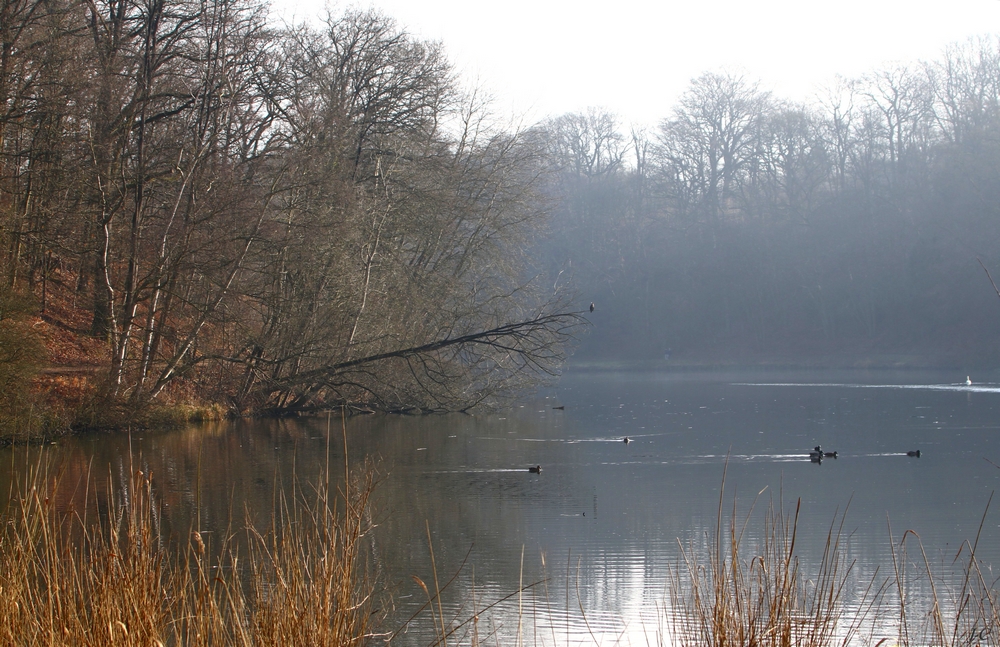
(755, 595)
(119, 580)
(960, 613)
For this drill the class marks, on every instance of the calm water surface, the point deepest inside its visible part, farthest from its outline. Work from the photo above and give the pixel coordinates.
(599, 527)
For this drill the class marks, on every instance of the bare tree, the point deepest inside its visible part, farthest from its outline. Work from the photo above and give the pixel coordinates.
(587, 144)
(710, 138)
(902, 99)
(404, 224)
(305, 215)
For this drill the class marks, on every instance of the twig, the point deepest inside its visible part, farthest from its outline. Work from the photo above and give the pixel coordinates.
(995, 288)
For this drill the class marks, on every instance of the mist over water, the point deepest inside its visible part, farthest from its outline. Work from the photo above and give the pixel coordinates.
(600, 526)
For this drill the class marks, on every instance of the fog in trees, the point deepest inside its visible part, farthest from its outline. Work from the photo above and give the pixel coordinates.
(748, 229)
(288, 217)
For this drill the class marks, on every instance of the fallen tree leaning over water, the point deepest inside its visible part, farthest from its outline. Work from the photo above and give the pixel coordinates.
(456, 372)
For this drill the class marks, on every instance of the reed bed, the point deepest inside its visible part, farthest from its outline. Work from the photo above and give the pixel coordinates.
(753, 592)
(963, 611)
(118, 579)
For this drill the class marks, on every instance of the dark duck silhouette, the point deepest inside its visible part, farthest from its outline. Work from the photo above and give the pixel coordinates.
(817, 452)
(537, 469)
(816, 455)
(915, 453)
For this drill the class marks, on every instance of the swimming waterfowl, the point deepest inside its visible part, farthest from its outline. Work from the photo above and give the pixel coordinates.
(816, 451)
(915, 453)
(537, 469)
(560, 408)
(816, 458)
(626, 440)
(968, 381)
(830, 454)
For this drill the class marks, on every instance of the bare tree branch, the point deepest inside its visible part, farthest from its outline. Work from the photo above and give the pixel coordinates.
(536, 343)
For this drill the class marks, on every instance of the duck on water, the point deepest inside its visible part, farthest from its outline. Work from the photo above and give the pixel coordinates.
(818, 452)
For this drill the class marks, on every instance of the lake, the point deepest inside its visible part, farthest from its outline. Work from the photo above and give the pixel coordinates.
(599, 528)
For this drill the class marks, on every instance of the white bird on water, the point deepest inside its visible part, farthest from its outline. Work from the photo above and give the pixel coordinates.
(968, 381)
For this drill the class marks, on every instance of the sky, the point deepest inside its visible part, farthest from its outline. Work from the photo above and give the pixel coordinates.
(635, 58)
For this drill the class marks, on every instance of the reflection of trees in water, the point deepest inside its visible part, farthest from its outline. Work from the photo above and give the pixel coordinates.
(215, 476)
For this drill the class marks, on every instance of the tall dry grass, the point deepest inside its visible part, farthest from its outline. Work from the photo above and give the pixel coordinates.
(962, 611)
(754, 593)
(66, 579)
(748, 588)
(116, 577)
(743, 592)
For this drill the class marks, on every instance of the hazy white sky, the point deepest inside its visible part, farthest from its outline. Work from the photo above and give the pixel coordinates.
(635, 57)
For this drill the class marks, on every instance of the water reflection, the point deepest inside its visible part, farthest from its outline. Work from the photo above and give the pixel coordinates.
(599, 527)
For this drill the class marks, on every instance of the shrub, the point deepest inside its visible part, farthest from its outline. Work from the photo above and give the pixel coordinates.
(21, 354)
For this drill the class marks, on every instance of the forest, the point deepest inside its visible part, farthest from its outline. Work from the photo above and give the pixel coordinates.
(745, 229)
(278, 219)
(273, 219)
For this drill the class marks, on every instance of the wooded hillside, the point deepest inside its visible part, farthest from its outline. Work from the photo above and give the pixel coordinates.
(278, 215)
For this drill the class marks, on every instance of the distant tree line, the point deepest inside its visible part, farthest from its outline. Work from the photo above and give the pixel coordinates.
(284, 217)
(747, 228)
